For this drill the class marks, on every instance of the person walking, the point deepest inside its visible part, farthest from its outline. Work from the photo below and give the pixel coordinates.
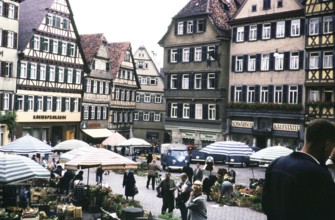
(129, 184)
(197, 173)
(98, 175)
(149, 157)
(184, 190)
(209, 164)
(153, 168)
(188, 170)
(196, 205)
(299, 186)
(167, 187)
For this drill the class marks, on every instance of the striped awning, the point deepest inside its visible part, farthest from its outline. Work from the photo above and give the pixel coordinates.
(270, 153)
(17, 168)
(228, 148)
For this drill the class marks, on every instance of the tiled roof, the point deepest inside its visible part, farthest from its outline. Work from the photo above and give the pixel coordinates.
(32, 13)
(91, 44)
(117, 53)
(219, 12)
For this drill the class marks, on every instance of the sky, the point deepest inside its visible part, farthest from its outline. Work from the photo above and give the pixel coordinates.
(141, 22)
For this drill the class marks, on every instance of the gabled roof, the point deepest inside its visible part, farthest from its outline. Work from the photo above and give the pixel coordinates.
(218, 11)
(91, 44)
(32, 13)
(117, 52)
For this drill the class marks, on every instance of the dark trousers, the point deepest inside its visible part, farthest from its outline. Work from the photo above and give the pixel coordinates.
(168, 202)
(183, 211)
(153, 180)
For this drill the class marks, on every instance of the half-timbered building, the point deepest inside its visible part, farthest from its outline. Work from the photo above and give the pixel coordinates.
(320, 59)
(9, 28)
(267, 73)
(50, 71)
(196, 59)
(125, 86)
(96, 90)
(150, 105)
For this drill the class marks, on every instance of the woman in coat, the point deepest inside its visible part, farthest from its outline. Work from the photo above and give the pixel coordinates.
(129, 184)
(196, 204)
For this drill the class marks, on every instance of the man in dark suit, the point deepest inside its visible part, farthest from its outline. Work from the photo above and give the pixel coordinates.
(299, 186)
(188, 170)
(197, 173)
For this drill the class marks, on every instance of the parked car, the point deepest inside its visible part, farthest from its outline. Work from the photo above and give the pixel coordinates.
(242, 161)
(174, 156)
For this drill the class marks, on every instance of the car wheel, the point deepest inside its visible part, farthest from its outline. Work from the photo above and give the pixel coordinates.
(244, 165)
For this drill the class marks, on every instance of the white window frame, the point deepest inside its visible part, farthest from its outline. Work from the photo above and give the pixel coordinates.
(104, 112)
(6, 101)
(211, 112)
(145, 116)
(49, 104)
(186, 110)
(294, 60)
(279, 61)
(173, 55)
(198, 81)
(198, 111)
(147, 98)
(95, 86)
(293, 94)
(61, 75)
(253, 32)
(313, 25)
(40, 103)
(64, 48)
(158, 98)
(280, 29)
(11, 11)
(58, 104)
(327, 59)
(20, 103)
(250, 94)
(295, 27)
(314, 96)
(328, 24)
(67, 104)
(240, 34)
(239, 64)
(264, 94)
(43, 72)
(174, 109)
(46, 42)
(197, 54)
(180, 30)
(106, 88)
(186, 81)
(1, 8)
(69, 75)
(52, 73)
(37, 43)
(88, 86)
(23, 70)
(278, 95)
(157, 117)
(314, 60)
(98, 112)
(265, 62)
(211, 81)
(78, 77)
(266, 32)
(186, 54)
(101, 88)
(238, 94)
(10, 39)
(92, 112)
(85, 113)
(33, 70)
(252, 63)
(210, 50)
(173, 81)
(76, 105)
(189, 27)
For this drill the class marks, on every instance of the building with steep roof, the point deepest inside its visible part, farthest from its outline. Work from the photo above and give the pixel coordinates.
(267, 73)
(9, 28)
(50, 72)
(96, 88)
(150, 105)
(196, 63)
(125, 85)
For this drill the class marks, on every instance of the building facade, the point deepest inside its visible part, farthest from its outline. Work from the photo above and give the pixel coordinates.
(267, 73)
(9, 29)
(50, 72)
(150, 106)
(196, 62)
(320, 59)
(97, 89)
(125, 85)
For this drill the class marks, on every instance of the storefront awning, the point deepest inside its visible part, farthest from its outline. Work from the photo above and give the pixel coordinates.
(98, 133)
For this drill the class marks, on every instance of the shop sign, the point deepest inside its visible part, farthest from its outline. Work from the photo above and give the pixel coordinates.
(286, 127)
(242, 124)
(208, 137)
(94, 125)
(188, 135)
(49, 117)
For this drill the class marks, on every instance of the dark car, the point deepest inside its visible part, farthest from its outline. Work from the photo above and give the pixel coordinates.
(242, 161)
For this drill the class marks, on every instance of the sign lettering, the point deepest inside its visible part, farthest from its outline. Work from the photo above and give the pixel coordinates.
(242, 124)
(286, 127)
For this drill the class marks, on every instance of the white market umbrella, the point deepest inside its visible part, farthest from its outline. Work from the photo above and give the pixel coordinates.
(134, 142)
(70, 145)
(228, 148)
(114, 139)
(82, 151)
(17, 168)
(268, 154)
(26, 145)
(103, 158)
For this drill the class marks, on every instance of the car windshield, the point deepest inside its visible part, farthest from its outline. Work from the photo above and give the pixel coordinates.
(178, 153)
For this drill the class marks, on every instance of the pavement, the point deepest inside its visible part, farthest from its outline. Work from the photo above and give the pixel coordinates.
(149, 201)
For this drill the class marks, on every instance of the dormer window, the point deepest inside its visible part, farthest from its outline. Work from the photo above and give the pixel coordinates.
(180, 28)
(127, 56)
(189, 27)
(254, 8)
(279, 3)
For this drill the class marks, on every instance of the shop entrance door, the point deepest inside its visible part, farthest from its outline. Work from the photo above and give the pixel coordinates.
(261, 141)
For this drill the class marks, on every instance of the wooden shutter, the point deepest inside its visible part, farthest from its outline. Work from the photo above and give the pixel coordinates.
(272, 62)
(288, 28)
(217, 111)
(35, 103)
(273, 29)
(245, 63)
(257, 93)
(54, 103)
(205, 111)
(271, 94)
(45, 98)
(302, 27)
(244, 93)
(246, 33)
(191, 81)
(232, 94)
(234, 34)
(25, 99)
(287, 60)
(258, 62)
(192, 110)
(180, 110)
(301, 59)
(72, 104)
(169, 56)
(192, 54)
(300, 88)
(285, 93)
(204, 53)
(168, 110)
(233, 61)
(259, 31)
(15, 41)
